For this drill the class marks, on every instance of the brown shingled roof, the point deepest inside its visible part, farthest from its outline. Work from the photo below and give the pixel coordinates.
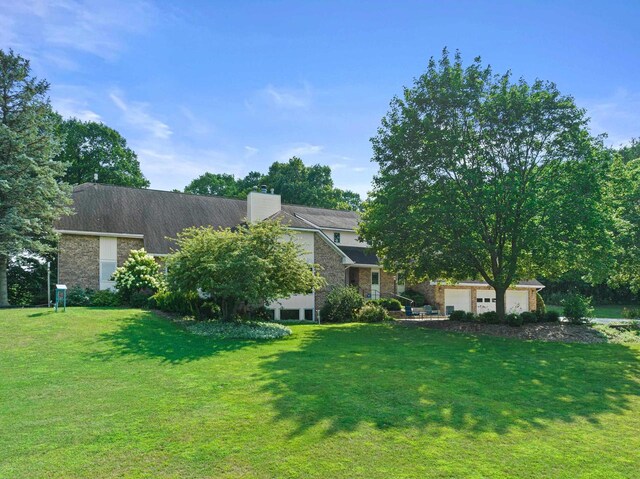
(159, 214)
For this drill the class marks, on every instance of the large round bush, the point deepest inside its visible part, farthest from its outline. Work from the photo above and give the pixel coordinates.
(342, 305)
(139, 273)
(372, 313)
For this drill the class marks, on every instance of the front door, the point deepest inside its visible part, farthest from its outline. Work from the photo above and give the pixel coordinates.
(485, 300)
(375, 283)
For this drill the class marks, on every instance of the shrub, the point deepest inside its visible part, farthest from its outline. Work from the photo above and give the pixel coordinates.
(551, 317)
(631, 313)
(577, 308)
(489, 317)
(140, 272)
(471, 317)
(77, 296)
(239, 330)
(458, 315)
(514, 319)
(390, 304)
(106, 297)
(541, 308)
(342, 305)
(529, 317)
(418, 298)
(140, 299)
(372, 313)
(187, 304)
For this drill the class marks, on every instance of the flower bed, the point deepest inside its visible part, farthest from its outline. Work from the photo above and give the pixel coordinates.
(238, 330)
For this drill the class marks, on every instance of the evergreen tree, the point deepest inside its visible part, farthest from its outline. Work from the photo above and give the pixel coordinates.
(31, 193)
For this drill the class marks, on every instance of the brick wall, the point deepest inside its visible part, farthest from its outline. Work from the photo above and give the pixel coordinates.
(332, 270)
(387, 284)
(79, 261)
(125, 246)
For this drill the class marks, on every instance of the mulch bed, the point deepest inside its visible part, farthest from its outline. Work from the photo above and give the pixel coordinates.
(565, 333)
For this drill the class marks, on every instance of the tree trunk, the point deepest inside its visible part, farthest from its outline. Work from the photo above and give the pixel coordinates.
(4, 287)
(500, 302)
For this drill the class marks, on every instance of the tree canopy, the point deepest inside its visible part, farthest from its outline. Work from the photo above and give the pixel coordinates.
(630, 151)
(32, 196)
(485, 177)
(624, 198)
(90, 148)
(252, 264)
(293, 180)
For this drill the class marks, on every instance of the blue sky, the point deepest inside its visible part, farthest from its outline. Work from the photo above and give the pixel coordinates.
(232, 86)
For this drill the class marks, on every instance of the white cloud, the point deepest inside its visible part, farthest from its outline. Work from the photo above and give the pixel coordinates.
(47, 30)
(300, 150)
(74, 108)
(288, 98)
(617, 115)
(136, 115)
(250, 151)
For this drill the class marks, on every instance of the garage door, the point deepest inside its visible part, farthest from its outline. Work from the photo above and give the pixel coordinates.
(517, 301)
(460, 299)
(485, 300)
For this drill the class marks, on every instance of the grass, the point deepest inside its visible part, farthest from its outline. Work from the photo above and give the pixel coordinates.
(613, 311)
(107, 393)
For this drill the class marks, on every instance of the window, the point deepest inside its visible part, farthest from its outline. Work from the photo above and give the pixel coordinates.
(400, 278)
(308, 314)
(107, 268)
(487, 300)
(375, 277)
(336, 237)
(478, 300)
(289, 314)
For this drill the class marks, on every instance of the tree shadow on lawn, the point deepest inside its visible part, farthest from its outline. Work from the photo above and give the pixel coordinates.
(393, 377)
(146, 335)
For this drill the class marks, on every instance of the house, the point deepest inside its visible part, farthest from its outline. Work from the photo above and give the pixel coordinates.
(110, 221)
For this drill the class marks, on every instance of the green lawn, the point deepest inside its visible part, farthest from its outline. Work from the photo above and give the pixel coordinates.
(122, 393)
(613, 311)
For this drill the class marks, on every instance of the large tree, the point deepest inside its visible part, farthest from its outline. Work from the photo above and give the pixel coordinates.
(31, 193)
(91, 148)
(252, 264)
(624, 197)
(214, 184)
(485, 177)
(293, 180)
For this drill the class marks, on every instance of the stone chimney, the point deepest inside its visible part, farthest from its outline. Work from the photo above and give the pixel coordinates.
(261, 205)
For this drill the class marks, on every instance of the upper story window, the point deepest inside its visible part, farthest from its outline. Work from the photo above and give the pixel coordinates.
(336, 237)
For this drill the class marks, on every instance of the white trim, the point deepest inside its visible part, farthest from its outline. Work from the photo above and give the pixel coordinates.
(99, 233)
(297, 215)
(307, 221)
(358, 265)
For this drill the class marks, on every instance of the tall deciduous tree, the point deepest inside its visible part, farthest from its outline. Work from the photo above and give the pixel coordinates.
(255, 263)
(481, 176)
(31, 194)
(91, 147)
(214, 184)
(624, 197)
(294, 181)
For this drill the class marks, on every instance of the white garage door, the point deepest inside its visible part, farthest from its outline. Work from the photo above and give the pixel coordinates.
(485, 300)
(517, 301)
(460, 299)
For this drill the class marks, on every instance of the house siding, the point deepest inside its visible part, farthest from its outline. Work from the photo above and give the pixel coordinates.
(332, 269)
(79, 261)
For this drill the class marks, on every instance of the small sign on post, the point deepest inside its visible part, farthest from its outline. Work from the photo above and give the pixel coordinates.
(61, 291)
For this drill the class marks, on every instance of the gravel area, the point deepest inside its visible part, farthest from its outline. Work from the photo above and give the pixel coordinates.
(565, 333)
